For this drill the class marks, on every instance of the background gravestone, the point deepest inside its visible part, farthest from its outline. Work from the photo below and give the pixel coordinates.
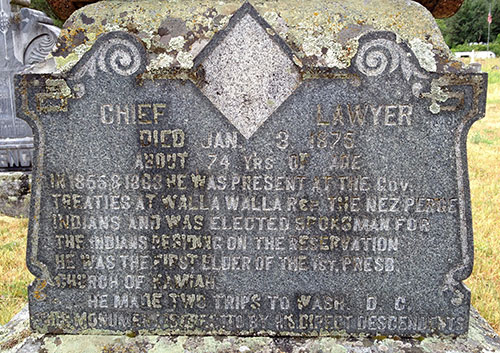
(26, 38)
(255, 188)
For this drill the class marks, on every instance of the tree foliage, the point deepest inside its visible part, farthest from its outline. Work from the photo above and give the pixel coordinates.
(42, 5)
(470, 25)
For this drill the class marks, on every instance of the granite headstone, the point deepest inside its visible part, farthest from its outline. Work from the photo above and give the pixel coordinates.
(26, 38)
(250, 194)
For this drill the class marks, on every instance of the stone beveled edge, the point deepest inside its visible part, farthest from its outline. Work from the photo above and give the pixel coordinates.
(32, 89)
(477, 85)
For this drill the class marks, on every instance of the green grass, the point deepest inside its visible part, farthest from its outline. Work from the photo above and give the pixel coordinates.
(494, 77)
(14, 276)
(478, 138)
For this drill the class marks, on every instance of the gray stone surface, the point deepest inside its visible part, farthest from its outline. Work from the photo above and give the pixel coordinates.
(245, 91)
(26, 37)
(17, 337)
(346, 211)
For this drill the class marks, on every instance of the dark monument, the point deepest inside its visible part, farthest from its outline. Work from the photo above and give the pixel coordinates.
(251, 194)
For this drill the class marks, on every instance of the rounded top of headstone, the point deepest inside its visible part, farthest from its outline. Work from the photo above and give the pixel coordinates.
(438, 8)
(321, 33)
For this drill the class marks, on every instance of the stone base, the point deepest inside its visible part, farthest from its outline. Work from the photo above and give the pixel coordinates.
(15, 194)
(16, 337)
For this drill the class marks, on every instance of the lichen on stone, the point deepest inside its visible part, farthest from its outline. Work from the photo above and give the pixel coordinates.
(423, 53)
(176, 43)
(185, 60)
(162, 61)
(59, 87)
(66, 63)
(437, 95)
(321, 33)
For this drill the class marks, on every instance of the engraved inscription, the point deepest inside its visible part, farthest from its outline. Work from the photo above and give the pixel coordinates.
(201, 208)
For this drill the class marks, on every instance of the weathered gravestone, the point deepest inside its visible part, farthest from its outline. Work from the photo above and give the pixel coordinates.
(257, 189)
(26, 38)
